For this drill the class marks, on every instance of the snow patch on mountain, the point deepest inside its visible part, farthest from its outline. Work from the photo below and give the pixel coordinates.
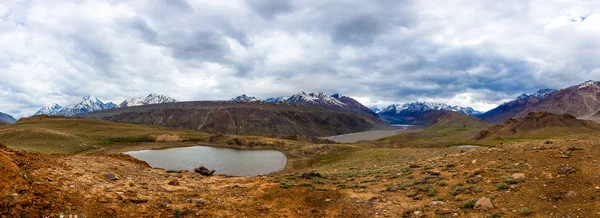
(588, 84)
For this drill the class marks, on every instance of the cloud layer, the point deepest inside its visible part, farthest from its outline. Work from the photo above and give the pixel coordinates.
(469, 53)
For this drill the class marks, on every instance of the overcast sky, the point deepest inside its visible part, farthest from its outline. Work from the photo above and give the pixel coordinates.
(470, 53)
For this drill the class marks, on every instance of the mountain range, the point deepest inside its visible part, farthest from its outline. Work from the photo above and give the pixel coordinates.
(411, 112)
(91, 104)
(335, 101)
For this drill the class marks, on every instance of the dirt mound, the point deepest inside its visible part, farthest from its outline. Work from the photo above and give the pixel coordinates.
(8, 171)
(540, 124)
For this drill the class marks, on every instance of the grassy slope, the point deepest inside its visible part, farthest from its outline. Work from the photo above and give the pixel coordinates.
(76, 135)
(450, 128)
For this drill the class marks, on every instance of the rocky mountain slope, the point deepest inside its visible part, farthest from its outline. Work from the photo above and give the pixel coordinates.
(245, 118)
(91, 104)
(581, 101)
(6, 118)
(540, 125)
(411, 112)
(515, 107)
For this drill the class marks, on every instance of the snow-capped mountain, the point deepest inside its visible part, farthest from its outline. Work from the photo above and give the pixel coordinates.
(324, 100)
(150, 99)
(87, 104)
(542, 93)
(315, 98)
(244, 98)
(91, 104)
(51, 109)
(422, 107)
(412, 112)
(7, 118)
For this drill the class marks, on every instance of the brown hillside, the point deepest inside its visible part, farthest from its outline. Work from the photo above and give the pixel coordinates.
(244, 118)
(448, 128)
(540, 125)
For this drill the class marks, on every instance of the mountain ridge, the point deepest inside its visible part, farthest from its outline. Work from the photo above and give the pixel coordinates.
(581, 101)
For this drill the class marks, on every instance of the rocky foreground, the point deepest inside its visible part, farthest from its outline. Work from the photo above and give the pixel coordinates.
(536, 179)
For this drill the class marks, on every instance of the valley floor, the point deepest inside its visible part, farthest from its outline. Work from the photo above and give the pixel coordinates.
(559, 178)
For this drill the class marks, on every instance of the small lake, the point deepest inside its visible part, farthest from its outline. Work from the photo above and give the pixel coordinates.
(226, 161)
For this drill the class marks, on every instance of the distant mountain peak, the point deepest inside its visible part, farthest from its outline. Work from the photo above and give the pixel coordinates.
(244, 98)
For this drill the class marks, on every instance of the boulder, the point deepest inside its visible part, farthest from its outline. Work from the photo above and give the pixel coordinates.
(519, 177)
(204, 171)
(484, 204)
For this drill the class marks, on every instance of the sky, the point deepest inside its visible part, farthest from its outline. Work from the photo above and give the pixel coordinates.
(462, 52)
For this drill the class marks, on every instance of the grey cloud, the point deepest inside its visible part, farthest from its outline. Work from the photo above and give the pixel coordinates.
(270, 8)
(388, 50)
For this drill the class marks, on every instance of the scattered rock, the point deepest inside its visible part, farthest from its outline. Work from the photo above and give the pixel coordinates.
(110, 177)
(311, 175)
(418, 213)
(174, 182)
(574, 149)
(103, 200)
(571, 194)
(327, 200)
(474, 161)
(436, 203)
(484, 204)
(197, 201)
(566, 170)
(204, 171)
(418, 197)
(138, 201)
(414, 166)
(519, 177)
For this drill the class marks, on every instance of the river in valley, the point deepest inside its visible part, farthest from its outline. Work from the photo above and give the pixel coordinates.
(380, 132)
(226, 161)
